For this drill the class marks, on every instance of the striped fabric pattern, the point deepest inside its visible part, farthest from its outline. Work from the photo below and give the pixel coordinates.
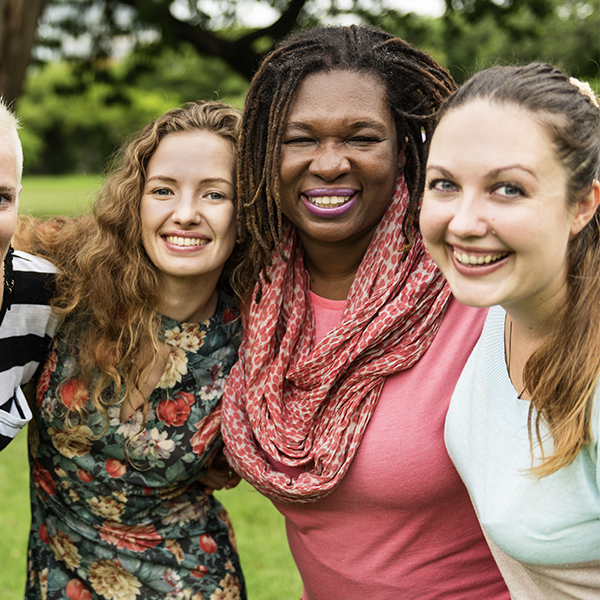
(26, 330)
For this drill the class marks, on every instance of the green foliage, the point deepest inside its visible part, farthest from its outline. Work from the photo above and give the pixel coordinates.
(475, 34)
(74, 118)
(75, 114)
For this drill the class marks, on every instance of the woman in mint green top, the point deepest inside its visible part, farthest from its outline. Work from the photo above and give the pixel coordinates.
(510, 216)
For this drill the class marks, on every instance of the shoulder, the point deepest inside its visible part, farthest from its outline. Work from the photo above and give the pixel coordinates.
(29, 263)
(34, 279)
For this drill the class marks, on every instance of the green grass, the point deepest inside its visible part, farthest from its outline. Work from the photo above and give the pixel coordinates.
(268, 566)
(69, 195)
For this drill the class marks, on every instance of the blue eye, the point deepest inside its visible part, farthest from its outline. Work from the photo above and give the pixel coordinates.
(510, 190)
(215, 196)
(441, 185)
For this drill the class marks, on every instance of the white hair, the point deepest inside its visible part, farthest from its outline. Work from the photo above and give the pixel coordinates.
(9, 127)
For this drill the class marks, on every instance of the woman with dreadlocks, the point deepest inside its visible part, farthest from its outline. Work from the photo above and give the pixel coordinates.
(352, 344)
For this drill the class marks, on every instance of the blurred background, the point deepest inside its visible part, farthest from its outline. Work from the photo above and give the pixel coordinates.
(84, 74)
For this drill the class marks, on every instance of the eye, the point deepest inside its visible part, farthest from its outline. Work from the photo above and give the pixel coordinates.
(6, 199)
(216, 196)
(161, 191)
(510, 190)
(441, 185)
(364, 140)
(298, 141)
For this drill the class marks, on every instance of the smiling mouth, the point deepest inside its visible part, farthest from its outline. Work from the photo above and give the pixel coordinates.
(471, 260)
(185, 241)
(329, 201)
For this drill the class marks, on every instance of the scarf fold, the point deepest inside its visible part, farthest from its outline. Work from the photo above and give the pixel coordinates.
(307, 405)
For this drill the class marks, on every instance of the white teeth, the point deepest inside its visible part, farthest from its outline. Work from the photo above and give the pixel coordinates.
(465, 259)
(330, 200)
(181, 241)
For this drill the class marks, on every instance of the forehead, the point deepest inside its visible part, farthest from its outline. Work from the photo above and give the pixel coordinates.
(8, 161)
(357, 94)
(198, 150)
(492, 133)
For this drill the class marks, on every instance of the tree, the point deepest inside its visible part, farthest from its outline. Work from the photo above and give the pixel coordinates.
(18, 25)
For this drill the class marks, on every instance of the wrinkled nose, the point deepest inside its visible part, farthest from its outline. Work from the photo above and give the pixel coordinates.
(330, 161)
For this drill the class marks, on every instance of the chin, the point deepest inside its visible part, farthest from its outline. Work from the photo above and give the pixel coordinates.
(474, 300)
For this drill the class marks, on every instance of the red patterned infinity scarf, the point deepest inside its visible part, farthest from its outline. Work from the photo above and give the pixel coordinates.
(308, 405)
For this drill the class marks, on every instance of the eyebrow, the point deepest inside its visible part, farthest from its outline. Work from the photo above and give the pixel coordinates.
(355, 125)
(491, 174)
(7, 189)
(208, 180)
(520, 167)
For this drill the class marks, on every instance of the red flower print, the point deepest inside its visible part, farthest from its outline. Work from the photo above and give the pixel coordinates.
(43, 479)
(175, 411)
(85, 476)
(207, 543)
(136, 538)
(43, 533)
(115, 467)
(74, 394)
(228, 315)
(77, 591)
(208, 428)
(200, 571)
(44, 379)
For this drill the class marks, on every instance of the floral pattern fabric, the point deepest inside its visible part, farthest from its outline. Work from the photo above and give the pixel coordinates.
(118, 512)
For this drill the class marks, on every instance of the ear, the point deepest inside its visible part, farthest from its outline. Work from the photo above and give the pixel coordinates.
(586, 208)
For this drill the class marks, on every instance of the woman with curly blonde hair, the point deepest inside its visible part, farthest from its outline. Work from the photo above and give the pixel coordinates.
(127, 408)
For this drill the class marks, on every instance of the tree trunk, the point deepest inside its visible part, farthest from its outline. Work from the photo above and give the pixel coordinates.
(18, 25)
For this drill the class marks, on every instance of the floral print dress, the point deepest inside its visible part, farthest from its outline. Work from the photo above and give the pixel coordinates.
(118, 512)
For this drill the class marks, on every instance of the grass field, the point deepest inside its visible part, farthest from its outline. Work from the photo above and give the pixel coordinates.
(268, 566)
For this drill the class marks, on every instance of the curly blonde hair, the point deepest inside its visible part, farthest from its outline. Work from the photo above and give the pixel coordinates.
(108, 289)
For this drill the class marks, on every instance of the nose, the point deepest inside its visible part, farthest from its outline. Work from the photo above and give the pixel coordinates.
(468, 218)
(187, 210)
(330, 161)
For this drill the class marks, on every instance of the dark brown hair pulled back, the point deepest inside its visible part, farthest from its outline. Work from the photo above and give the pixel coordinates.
(562, 374)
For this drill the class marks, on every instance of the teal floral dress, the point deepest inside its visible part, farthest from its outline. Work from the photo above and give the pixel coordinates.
(117, 509)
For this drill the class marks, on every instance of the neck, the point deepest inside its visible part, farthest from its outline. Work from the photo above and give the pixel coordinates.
(524, 333)
(190, 303)
(332, 266)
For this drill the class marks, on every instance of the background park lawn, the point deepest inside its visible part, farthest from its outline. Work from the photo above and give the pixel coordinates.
(268, 567)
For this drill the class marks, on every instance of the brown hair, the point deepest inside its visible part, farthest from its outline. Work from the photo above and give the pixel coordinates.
(562, 373)
(108, 289)
(415, 85)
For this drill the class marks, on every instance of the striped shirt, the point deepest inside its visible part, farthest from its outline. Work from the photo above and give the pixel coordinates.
(26, 330)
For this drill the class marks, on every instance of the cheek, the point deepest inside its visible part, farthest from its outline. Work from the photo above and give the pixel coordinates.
(227, 226)
(431, 222)
(8, 224)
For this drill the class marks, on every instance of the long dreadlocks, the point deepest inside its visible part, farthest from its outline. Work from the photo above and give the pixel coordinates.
(416, 86)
